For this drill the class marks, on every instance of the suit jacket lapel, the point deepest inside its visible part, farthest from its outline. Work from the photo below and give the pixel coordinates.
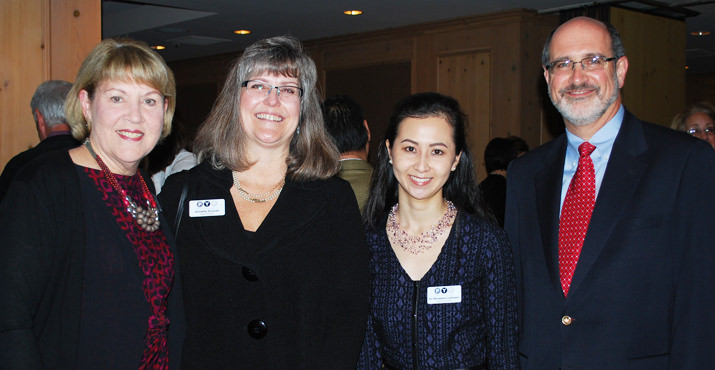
(623, 172)
(548, 192)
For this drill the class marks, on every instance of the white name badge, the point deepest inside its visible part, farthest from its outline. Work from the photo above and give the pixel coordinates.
(444, 294)
(207, 207)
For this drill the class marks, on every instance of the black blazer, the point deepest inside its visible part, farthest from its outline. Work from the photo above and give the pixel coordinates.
(643, 291)
(303, 274)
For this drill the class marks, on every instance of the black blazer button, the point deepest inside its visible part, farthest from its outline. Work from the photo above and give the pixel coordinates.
(249, 274)
(257, 329)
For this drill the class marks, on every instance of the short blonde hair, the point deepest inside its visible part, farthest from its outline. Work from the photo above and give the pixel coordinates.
(120, 59)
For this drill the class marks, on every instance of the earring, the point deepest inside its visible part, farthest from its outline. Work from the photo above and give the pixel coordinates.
(390, 161)
(454, 168)
(297, 130)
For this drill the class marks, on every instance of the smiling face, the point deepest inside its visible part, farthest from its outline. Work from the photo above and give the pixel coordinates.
(126, 121)
(423, 156)
(269, 121)
(585, 98)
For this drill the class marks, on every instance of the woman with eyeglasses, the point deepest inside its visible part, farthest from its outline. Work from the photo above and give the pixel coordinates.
(442, 278)
(697, 121)
(271, 244)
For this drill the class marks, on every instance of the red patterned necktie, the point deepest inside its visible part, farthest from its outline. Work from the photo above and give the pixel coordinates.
(576, 214)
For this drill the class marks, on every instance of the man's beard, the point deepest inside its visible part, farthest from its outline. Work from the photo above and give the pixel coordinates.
(584, 115)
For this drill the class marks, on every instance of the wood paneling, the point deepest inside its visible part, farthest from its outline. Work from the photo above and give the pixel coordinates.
(21, 70)
(42, 40)
(655, 84)
(509, 102)
(75, 28)
(466, 77)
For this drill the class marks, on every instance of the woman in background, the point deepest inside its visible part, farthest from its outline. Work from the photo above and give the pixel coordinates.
(274, 263)
(87, 266)
(442, 283)
(697, 121)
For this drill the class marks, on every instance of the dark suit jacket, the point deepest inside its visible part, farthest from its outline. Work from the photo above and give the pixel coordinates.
(643, 293)
(50, 144)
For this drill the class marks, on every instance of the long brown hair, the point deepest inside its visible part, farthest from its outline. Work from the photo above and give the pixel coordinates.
(220, 139)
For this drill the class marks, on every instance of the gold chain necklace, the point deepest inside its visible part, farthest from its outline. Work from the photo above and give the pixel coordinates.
(260, 198)
(423, 242)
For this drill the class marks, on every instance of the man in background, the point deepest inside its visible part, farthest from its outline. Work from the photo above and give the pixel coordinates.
(349, 130)
(611, 225)
(47, 105)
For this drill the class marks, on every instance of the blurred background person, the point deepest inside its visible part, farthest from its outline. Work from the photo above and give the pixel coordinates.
(442, 282)
(172, 154)
(349, 130)
(274, 263)
(697, 120)
(89, 278)
(521, 146)
(48, 110)
(497, 156)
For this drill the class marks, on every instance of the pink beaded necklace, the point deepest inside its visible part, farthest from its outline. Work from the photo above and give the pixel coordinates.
(423, 242)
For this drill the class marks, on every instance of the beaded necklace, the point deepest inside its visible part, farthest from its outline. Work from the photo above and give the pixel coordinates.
(260, 198)
(147, 219)
(423, 242)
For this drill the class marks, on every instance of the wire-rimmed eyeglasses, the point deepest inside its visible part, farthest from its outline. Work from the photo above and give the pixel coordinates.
(262, 89)
(588, 64)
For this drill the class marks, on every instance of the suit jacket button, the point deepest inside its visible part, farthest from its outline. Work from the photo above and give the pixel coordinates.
(249, 274)
(257, 329)
(566, 320)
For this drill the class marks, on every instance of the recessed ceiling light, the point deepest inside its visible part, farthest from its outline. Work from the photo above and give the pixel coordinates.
(158, 47)
(700, 33)
(352, 12)
(242, 32)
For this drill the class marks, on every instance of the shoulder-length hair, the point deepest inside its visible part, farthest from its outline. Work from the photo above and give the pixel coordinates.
(220, 139)
(120, 59)
(461, 187)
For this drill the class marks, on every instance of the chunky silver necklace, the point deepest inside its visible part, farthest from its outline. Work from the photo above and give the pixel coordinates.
(423, 242)
(147, 219)
(259, 198)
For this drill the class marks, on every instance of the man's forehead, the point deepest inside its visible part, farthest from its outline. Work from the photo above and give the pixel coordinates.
(580, 40)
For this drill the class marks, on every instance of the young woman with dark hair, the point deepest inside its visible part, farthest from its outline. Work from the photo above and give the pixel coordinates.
(442, 283)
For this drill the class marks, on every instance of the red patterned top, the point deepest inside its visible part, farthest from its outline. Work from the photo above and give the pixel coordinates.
(155, 260)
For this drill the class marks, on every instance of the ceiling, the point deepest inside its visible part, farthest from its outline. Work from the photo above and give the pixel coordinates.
(193, 28)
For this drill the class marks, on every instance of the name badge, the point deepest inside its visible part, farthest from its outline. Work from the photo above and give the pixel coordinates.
(207, 208)
(444, 294)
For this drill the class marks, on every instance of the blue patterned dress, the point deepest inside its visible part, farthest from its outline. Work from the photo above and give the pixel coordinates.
(405, 332)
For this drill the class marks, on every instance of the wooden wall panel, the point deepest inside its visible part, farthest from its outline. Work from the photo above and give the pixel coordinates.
(21, 70)
(655, 84)
(466, 77)
(75, 28)
(42, 40)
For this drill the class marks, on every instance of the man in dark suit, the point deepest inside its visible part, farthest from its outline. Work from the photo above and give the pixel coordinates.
(47, 105)
(615, 269)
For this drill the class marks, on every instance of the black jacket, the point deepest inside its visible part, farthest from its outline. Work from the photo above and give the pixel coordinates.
(294, 294)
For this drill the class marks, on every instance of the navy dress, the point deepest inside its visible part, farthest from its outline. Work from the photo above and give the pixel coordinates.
(406, 332)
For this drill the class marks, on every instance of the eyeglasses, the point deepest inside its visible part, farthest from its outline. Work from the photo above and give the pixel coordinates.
(588, 64)
(697, 131)
(260, 89)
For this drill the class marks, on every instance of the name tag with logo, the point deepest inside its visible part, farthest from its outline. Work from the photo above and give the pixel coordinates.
(207, 207)
(444, 294)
